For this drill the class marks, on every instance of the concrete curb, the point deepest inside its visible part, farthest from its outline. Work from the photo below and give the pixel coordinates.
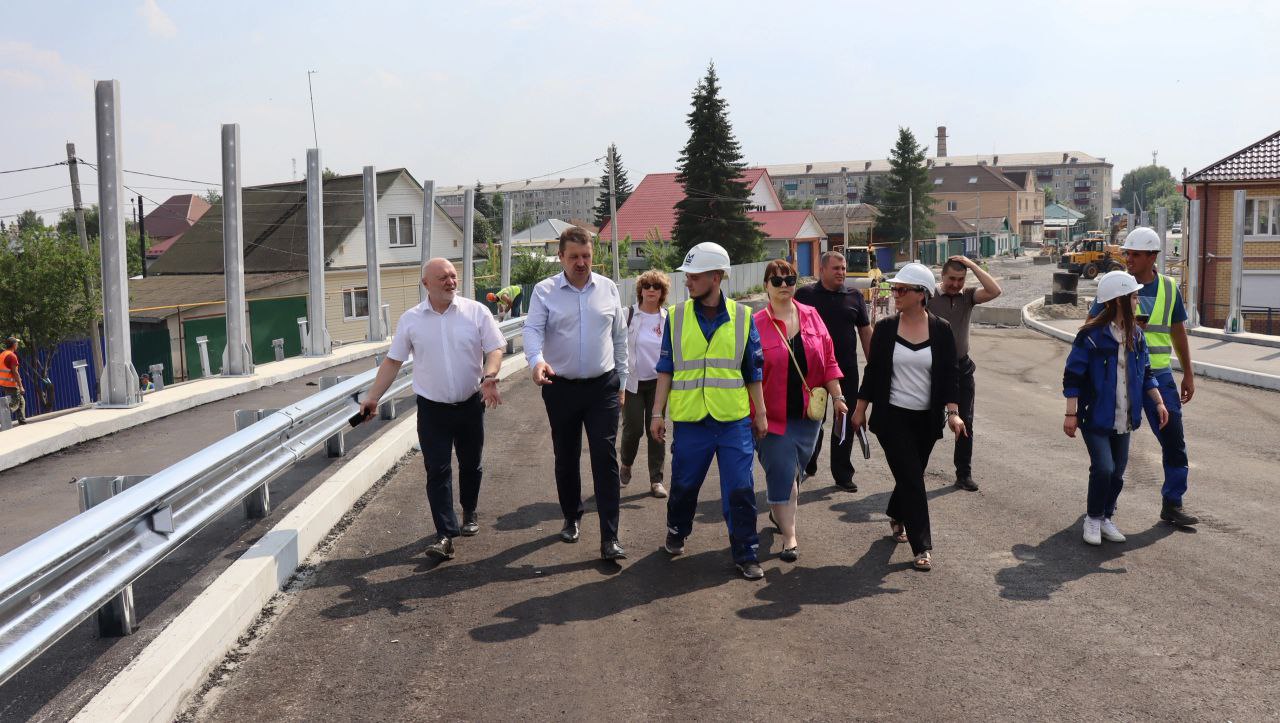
(1240, 338)
(155, 685)
(1204, 369)
(82, 425)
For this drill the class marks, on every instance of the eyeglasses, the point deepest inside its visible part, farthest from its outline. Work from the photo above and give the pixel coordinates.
(648, 286)
(780, 280)
(905, 289)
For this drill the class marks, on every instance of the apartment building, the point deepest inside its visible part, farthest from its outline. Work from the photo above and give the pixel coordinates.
(565, 198)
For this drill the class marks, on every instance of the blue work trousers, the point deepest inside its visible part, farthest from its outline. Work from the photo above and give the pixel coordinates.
(1173, 444)
(1108, 456)
(692, 447)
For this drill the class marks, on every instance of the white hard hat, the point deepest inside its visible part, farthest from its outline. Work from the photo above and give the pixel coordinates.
(1115, 284)
(1142, 238)
(706, 256)
(914, 274)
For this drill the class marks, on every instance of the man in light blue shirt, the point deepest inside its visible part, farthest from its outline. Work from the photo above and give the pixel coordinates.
(575, 339)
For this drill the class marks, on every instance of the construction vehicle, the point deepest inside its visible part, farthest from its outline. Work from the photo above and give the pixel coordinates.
(1092, 256)
(861, 270)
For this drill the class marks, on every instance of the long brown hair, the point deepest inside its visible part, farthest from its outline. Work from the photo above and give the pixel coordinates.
(1120, 308)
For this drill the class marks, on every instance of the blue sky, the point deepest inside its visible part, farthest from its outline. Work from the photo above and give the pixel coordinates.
(508, 90)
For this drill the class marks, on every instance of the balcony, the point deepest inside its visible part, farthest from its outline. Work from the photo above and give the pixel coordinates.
(1044, 173)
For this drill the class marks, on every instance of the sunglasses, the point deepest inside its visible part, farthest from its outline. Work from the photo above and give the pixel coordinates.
(905, 289)
(780, 280)
(653, 287)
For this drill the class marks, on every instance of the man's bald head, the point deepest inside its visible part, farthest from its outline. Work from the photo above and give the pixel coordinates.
(440, 278)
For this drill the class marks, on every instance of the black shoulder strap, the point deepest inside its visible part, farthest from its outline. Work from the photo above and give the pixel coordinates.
(631, 311)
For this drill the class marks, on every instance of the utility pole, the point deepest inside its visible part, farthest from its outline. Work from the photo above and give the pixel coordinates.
(613, 215)
(844, 180)
(315, 136)
(95, 339)
(911, 233)
(142, 237)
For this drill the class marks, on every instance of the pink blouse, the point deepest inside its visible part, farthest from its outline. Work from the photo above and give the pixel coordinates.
(819, 354)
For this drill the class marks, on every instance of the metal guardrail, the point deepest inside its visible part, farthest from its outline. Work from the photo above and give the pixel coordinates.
(51, 583)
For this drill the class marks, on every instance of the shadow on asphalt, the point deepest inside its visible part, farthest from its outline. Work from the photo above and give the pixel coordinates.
(537, 513)
(788, 592)
(1063, 558)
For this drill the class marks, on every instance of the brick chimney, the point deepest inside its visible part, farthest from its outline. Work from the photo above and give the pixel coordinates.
(942, 141)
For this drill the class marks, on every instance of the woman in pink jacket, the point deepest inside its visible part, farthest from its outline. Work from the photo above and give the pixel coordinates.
(798, 356)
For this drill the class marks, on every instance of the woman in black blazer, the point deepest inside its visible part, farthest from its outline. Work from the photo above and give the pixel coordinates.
(911, 380)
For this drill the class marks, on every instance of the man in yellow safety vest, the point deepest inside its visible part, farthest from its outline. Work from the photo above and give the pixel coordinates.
(709, 377)
(11, 380)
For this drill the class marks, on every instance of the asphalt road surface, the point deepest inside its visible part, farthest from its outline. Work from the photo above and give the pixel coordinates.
(1018, 619)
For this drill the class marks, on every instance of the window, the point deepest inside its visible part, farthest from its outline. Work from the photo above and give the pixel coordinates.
(1093, 172)
(355, 303)
(1262, 217)
(790, 186)
(400, 230)
(951, 205)
(1057, 171)
(973, 179)
(937, 181)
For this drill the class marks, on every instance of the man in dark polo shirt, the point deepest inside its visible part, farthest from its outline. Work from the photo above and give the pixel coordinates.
(955, 303)
(845, 313)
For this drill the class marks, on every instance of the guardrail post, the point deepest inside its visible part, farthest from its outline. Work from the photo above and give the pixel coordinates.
(335, 446)
(203, 343)
(157, 376)
(258, 504)
(277, 348)
(303, 336)
(117, 618)
(82, 379)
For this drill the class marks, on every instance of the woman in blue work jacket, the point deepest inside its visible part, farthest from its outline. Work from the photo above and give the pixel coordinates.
(1107, 373)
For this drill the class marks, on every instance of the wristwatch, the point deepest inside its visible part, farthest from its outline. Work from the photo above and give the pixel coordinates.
(488, 377)
(950, 413)
(839, 397)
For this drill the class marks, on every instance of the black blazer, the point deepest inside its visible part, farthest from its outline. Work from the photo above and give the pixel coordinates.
(878, 375)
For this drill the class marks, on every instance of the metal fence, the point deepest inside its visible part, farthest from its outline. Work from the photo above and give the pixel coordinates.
(50, 584)
(742, 278)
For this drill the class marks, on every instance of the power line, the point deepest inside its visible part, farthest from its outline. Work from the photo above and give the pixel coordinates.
(35, 168)
(32, 193)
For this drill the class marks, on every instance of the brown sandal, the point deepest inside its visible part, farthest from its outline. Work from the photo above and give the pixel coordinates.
(922, 562)
(897, 531)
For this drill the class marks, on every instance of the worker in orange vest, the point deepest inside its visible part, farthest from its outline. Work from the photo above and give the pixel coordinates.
(11, 380)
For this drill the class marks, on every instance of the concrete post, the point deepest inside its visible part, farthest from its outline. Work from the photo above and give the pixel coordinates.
(613, 214)
(428, 231)
(1235, 320)
(468, 243)
(304, 336)
(507, 210)
(1162, 230)
(277, 349)
(157, 376)
(1192, 255)
(82, 379)
(239, 360)
(202, 342)
(316, 340)
(6, 416)
(95, 337)
(118, 386)
(376, 332)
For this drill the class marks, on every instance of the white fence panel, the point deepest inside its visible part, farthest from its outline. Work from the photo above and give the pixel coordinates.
(741, 278)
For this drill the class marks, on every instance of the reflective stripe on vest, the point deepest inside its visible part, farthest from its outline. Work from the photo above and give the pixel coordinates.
(1160, 323)
(7, 378)
(708, 374)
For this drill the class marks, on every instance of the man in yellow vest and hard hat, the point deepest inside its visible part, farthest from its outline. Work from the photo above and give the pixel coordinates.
(1163, 317)
(709, 378)
(11, 380)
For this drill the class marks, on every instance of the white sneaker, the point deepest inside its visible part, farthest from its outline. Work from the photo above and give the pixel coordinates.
(1092, 531)
(1109, 531)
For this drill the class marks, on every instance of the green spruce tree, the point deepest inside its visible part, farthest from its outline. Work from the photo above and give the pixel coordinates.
(715, 201)
(621, 185)
(906, 194)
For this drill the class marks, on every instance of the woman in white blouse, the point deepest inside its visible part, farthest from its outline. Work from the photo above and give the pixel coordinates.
(644, 343)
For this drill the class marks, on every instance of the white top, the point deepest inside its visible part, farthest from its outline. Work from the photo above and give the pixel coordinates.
(581, 333)
(448, 349)
(912, 377)
(1122, 420)
(644, 345)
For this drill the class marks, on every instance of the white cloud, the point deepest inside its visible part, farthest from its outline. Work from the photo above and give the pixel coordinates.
(23, 65)
(158, 22)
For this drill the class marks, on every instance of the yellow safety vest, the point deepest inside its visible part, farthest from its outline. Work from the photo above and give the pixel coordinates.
(1160, 323)
(708, 374)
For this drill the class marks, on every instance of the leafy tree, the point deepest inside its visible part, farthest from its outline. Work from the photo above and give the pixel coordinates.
(602, 255)
(906, 195)
(495, 205)
(482, 232)
(1049, 196)
(67, 222)
(659, 253)
(521, 222)
(874, 191)
(796, 204)
(530, 267)
(29, 220)
(213, 196)
(325, 175)
(481, 203)
(622, 188)
(1140, 187)
(42, 296)
(714, 207)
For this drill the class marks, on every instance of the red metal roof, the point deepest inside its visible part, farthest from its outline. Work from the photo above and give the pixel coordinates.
(781, 224)
(653, 205)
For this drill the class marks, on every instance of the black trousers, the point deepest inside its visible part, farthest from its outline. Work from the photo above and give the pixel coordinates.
(963, 456)
(442, 428)
(841, 452)
(907, 437)
(573, 405)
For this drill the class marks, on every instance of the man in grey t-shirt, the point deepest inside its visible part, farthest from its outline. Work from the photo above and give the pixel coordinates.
(955, 303)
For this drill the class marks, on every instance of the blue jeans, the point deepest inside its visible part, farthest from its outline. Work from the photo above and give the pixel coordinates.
(784, 456)
(1173, 444)
(693, 445)
(1108, 456)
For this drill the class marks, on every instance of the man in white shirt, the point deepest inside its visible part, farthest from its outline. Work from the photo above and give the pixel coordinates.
(457, 350)
(575, 338)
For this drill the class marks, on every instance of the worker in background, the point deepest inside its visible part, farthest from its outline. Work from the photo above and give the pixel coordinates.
(1163, 318)
(710, 369)
(11, 380)
(507, 299)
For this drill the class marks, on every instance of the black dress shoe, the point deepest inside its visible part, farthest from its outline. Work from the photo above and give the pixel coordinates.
(611, 550)
(789, 554)
(965, 482)
(850, 487)
(441, 549)
(569, 533)
(470, 524)
(1173, 514)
